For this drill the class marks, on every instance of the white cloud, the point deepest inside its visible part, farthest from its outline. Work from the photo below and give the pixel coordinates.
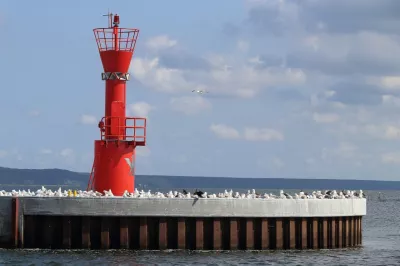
(88, 119)
(390, 100)
(3, 153)
(392, 132)
(143, 151)
(243, 46)
(375, 131)
(152, 75)
(250, 133)
(140, 109)
(323, 99)
(262, 134)
(391, 158)
(16, 154)
(255, 60)
(68, 156)
(312, 41)
(224, 131)
(325, 118)
(67, 153)
(346, 150)
(161, 42)
(190, 105)
(226, 75)
(391, 82)
(346, 153)
(45, 151)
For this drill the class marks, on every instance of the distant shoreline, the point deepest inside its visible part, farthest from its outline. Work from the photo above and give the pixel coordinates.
(58, 177)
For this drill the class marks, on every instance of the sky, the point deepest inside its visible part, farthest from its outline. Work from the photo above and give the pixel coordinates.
(297, 89)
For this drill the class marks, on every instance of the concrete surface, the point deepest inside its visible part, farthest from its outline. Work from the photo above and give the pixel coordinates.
(193, 207)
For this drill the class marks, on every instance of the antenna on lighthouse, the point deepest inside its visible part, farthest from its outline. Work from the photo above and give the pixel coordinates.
(110, 17)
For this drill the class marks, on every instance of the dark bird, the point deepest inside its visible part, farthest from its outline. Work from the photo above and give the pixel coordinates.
(199, 193)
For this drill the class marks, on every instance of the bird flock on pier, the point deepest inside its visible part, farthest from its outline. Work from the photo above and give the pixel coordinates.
(251, 194)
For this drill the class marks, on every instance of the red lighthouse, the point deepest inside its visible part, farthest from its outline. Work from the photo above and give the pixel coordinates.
(114, 153)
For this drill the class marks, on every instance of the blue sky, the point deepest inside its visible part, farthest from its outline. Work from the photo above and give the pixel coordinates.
(296, 88)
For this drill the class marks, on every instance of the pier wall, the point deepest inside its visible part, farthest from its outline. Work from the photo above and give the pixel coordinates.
(152, 223)
(5, 221)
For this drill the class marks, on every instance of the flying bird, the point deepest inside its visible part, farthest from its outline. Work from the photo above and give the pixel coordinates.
(199, 91)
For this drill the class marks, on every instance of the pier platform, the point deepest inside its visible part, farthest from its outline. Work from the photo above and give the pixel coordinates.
(180, 223)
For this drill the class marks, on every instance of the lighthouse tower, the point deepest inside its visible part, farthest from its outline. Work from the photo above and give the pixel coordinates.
(114, 159)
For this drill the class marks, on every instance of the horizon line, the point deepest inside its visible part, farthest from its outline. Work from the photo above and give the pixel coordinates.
(159, 175)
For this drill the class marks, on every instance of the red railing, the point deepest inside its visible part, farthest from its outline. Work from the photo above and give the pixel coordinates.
(121, 39)
(123, 128)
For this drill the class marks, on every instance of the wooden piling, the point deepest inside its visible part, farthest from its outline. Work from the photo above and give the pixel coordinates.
(163, 234)
(304, 233)
(66, 227)
(355, 236)
(340, 232)
(292, 234)
(86, 232)
(279, 233)
(333, 233)
(233, 234)
(199, 233)
(325, 232)
(315, 233)
(217, 234)
(143, 233)
(124, 233)
(182, 233)
(360, 230)
(30, 232)
(15, 221)
(264, 234)
(105, 233)
(250, 233)
(347, 231)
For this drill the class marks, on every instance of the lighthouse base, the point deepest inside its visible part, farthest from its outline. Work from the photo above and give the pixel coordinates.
(114, 166)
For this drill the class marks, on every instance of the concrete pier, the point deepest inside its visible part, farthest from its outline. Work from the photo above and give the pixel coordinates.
(196, 224)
